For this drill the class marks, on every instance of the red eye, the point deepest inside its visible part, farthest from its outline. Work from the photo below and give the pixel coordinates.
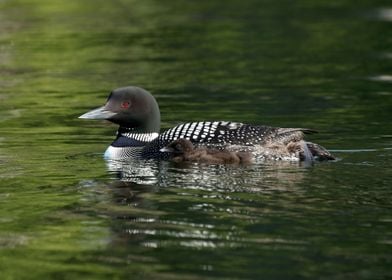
(125, 105)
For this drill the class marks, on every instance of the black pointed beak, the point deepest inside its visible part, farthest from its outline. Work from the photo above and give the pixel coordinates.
(100, 113)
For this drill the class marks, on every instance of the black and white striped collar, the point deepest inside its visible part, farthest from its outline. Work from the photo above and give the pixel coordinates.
(139, 136)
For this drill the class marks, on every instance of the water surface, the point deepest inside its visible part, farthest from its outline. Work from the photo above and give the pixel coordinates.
(67, 214)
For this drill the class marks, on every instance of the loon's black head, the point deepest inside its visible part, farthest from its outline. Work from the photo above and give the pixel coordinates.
(178, 147)
(130, 107)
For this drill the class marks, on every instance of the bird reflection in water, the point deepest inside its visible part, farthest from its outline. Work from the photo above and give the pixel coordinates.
(279, 175)
(164, 204)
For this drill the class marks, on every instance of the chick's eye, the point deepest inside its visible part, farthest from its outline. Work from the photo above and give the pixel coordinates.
(125, 104)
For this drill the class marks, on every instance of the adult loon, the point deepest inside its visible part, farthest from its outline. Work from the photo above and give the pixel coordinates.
(137, 113)
(182, 150)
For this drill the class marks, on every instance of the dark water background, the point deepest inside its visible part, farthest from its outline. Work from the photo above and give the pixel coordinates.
(65, 213)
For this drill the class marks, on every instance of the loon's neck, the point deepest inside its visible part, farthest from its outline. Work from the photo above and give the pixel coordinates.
(128, 136)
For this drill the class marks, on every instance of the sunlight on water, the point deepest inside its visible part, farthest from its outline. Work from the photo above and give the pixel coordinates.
(66, 213)
(382, 78)
(384, 14)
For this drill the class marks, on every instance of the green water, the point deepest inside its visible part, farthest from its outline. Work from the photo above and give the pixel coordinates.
(65, 213)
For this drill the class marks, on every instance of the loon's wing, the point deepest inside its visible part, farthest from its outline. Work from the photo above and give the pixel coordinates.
(231, 133)
(287, 135)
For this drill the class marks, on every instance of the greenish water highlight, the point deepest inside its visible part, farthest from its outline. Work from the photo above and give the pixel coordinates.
(67, 214)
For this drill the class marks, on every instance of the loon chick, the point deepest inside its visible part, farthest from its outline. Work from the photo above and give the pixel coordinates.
(137, 113)
(182, 150)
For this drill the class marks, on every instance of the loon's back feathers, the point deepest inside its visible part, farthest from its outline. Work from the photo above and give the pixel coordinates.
(235, 133)
(137, 113)
(218, 132)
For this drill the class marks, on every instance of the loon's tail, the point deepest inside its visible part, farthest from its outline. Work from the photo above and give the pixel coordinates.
(318, 152)
(308, 151)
